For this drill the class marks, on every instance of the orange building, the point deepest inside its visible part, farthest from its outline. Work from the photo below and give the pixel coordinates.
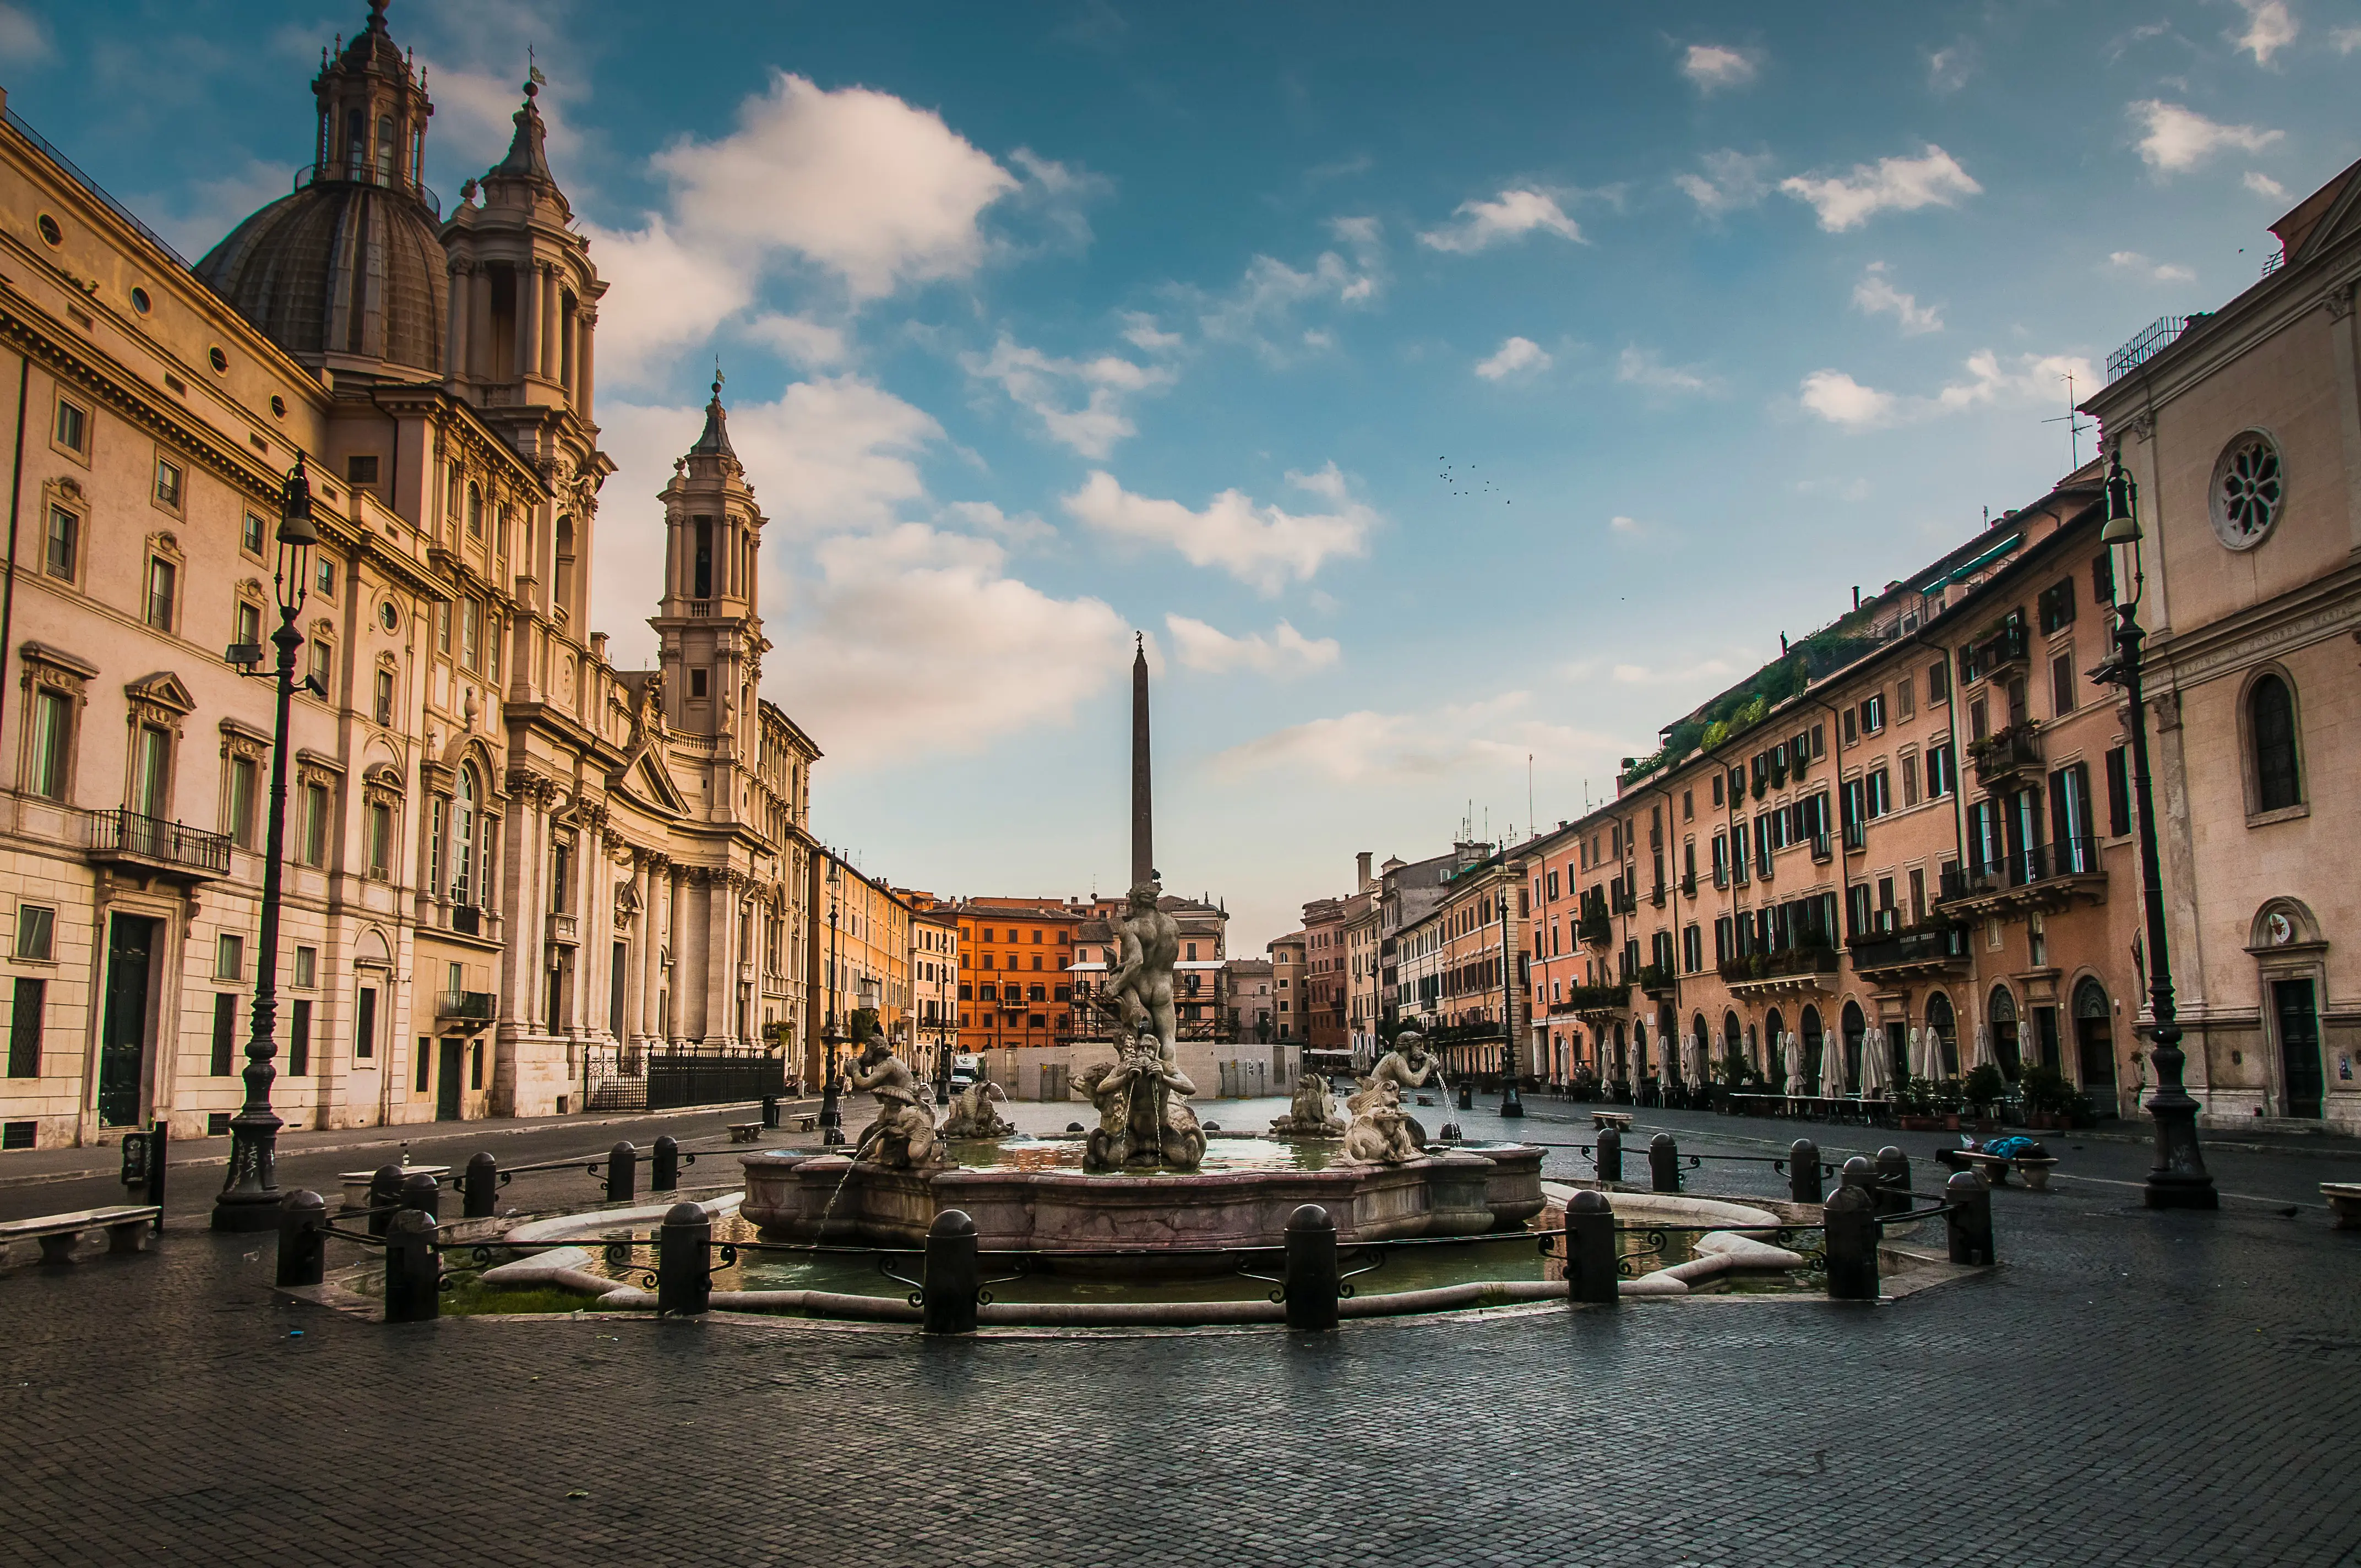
(1014, 989)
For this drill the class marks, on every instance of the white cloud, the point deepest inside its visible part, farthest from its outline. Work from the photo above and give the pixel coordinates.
(2262, 184)
(1876, 295)
(1947, 69)
(1512, 214)
(2155, 271)
(888, 647)
(1045, 385)
(1140, 330)
(200, 218)
(1713, 67)
(1514, 355)
(1259, 310)
(1645, 368)
(1629, 526)
(1839, 398)
(2345, 40)
(2031, 377)
(2177, 140)
(2269, 28)
(1285, 652)
(24, 37)
(1025, 528)
(1732, 179)
(802, 341)
(475, 116)
(1899, 185)
(1370, 745)
(1259, 544)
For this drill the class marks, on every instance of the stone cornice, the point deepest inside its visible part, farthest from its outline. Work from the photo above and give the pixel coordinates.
(2319, 610)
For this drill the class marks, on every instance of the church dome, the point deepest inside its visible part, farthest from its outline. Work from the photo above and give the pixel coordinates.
(352, 263)
(340, 267)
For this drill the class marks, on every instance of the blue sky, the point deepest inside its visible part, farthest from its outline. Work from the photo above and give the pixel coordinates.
(1433, 392)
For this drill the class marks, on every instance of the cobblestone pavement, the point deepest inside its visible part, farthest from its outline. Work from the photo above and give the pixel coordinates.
(2131, 1387)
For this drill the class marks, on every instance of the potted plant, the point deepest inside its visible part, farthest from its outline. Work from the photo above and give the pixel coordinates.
(1985, 1088)
(1913, 1100)
(1949, 1100)
(2047, 1097)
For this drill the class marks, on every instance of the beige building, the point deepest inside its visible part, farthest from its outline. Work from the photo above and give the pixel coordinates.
(2243, 430)
(513, 867)
(933, 981)
(863, 936)
(1253, 1019)
(1289, 988)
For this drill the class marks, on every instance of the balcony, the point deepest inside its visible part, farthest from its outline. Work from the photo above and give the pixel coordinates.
(1656, 895)
(2046, 876)
(1822, 852)
(151, 844)
(466, 1009)
(1594, 999)
(1656, 980)
(1922, 953)
(2008, 646)
(1688, 885)
(2007, 756)
(561, 931)
(1789, 970)
(1595, 929)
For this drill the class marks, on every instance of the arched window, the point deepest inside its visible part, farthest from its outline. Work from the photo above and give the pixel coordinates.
(463, 835)
(1855, 1029)
(2270, 718)
(2003, 1012)
(1946, 1026)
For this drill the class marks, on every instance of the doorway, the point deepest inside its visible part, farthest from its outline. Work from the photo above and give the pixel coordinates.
(2299, 1047)
(123, 1032)
(2004, 1031)
(447, 1080)
(2095, 1047)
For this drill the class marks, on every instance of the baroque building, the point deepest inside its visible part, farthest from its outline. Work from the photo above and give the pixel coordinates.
(516, 872)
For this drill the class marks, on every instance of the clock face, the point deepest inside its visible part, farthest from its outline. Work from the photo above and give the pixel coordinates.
(2281, 929)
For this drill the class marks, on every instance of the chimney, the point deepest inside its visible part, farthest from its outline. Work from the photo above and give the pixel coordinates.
(1361, 870)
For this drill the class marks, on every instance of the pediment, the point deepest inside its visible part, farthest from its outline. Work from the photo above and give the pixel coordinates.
(164, 689)
(2321, 219)
(645, 780)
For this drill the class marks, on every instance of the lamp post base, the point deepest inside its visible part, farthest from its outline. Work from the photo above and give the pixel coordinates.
(246, 1211)
(2171, 1190)
(1512, 1103)
(2179, 1179)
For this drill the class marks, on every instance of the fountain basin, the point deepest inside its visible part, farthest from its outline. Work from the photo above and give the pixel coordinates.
(827, 1198)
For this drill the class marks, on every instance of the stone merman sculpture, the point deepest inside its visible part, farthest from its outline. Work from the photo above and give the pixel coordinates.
(973, 1113)
(1311, 1115)
(1143, 1117)
(1380, 1133)
(903, 1137)
(1407, 1066)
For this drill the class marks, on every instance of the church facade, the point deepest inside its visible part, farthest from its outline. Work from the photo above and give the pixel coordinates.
(514, 872)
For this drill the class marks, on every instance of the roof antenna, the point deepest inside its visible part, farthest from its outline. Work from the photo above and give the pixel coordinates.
(2072, 420)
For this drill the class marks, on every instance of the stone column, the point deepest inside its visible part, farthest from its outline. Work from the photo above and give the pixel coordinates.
(585, 321)
(528, 319)
(455, 352)
(720, 954)
(674, 895)
(551, 322)
(479, 323)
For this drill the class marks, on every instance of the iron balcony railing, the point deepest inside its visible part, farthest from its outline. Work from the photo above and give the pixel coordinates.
(126, 832)
(1786, 962)
(66, 165)
(2147, 346)
(2006, 753)
(475, 1005)
(2025, 868)
(1594, 999)
(1890, 949)
(361, 175)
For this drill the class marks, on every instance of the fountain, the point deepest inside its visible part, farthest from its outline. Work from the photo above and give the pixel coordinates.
(1140, 1183)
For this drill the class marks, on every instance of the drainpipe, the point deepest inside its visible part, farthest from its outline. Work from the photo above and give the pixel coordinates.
(16, 503)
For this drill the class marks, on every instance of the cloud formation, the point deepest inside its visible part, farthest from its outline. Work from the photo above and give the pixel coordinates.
(24, 38)
(2131, 261)
(1045, 386)
(1646, 370)
(1711, 68)
(1515, 355)
(1837, 398)
(1286, 651)
(1897, 184)
(1732, 179)
(2269, 28)
(1259, 310)
(2262, 184)
(1512, 214)
(1262, 545)
(2176, 139)
(1876, 295)
(1369, 745)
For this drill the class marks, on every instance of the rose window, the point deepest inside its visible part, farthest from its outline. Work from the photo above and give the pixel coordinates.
(2247, 490)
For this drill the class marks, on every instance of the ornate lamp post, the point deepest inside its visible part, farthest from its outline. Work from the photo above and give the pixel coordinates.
(832, 1117)
(1512, 1104)
(249, 1200)
(2179, 1179)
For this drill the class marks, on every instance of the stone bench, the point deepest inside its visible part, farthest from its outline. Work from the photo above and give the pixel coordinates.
(2035, 1168)
(123, 1225)
(744, 1132)
(2344, 1202)
(1618, 1120)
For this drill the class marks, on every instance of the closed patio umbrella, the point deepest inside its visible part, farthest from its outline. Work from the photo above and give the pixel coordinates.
(1983, 1051)
(1922, 1052)
(1876, 1069)
(1832, 1072)
(1697, 1056)
(1793, 1047)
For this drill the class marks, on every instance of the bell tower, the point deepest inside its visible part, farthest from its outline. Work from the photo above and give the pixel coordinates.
(709, 622)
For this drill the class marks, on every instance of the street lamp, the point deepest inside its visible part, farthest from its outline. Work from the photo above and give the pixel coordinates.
(831, 1118)
(1512, 1104)
(249, 1200)
(2179, 1179)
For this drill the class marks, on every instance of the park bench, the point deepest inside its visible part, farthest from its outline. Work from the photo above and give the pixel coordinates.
(1618, 1120)
(2344, 1202)
(123, 1223)
(2035, 1168)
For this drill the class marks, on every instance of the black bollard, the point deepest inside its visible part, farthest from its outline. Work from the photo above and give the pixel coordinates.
(771, 1111)
(1804, 1171)
(1966, 1216)
(663, 1165)
(423, 1193)
(1590, 1249)
(1859, 1172)
(385, 1195)
(413, 1272)
(1893, 1180)
(946, 1305)
(1664, 1163)
(1313, 1278)
(1851, 1221)
(302, 1238)
(479, 1187)
(1608, 1155)
(622, 1172)
(1466, 1097)
(683, 1259)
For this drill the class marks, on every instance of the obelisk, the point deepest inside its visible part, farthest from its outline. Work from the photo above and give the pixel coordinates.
(1143, 826)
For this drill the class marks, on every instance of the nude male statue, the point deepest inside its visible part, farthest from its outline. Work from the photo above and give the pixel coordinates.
(1151, 946)
(1407, 1065)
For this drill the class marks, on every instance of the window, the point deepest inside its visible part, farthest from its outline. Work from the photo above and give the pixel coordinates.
(2119, 794)
(163, 590)
(51, 745)
(2056, 607)
(151, 780)
(2247, 491)
(251, 534)
(247, 621)
(299, 1037)
(1717, 789)
(2102, 578)
(475, 512)
(463, 835)
(1879, 793)
(1939, 681)
(25, 1028)
(229, 956)
(1873, 715)
(2061, 682)
(1909, 769)
(312, 840)
(471, 629)
(1942, 772)
(1917, 896)
(37, 926)
(379, 827)
(361, 468)
(307, 968)
(443, 629)
(1852, 727)
(365, 1025)
(72, 428)
(382, 704)
(323, 666)
(225, 1057)
(245, 794)
(323, 576)
(1905, 699)
(2270, 717)
(167, 483)
(696, 682)
(64, 553)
